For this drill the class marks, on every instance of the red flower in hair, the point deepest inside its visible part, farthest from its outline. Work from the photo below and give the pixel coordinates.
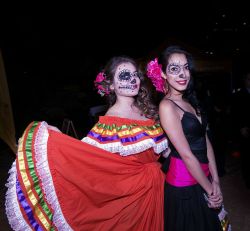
(154, 73)
(100, 84)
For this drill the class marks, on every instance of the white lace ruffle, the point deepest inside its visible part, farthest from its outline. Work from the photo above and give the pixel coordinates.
(15, 217)
(40, 147)
(131, 149)
(13, 212)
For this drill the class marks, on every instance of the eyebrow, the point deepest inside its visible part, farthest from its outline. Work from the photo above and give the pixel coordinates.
(178, 64)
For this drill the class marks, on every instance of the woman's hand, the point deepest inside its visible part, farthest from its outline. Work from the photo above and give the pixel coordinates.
(216, 188)
(215, 199)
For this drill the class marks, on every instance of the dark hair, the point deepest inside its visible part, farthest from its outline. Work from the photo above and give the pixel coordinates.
(143, 99)
(189, 93)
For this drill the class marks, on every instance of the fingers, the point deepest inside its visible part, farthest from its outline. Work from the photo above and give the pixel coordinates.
(214, 205)
(215, 201)
(215, 197)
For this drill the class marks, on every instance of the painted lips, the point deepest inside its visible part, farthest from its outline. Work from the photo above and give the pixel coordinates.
(130, 87)
(182, 82)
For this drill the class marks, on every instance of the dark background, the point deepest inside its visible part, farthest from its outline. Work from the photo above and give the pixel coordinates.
(52, 53)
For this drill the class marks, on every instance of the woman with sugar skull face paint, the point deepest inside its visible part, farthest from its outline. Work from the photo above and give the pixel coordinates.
(193, 197)
(125, 90)
(111, 180)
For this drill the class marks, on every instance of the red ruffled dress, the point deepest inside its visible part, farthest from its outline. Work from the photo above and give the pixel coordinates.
(110, 180)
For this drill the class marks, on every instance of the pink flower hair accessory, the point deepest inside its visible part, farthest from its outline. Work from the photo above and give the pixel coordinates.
(100, 84)
(154, 73)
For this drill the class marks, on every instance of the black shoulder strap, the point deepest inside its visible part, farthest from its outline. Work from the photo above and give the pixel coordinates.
(176, 104)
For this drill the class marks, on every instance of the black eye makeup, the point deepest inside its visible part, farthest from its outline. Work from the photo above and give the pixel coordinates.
(126, 75)
(175, 69)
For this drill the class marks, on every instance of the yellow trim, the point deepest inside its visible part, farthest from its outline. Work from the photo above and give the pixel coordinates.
(126, 132)
(27, 184)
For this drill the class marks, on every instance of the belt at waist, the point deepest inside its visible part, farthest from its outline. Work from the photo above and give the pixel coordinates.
(178, 174)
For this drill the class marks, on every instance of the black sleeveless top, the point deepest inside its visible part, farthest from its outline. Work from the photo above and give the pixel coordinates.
(195, 133)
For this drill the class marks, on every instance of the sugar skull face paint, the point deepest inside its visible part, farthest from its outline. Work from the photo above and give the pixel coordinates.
(127, 75)
(177, 72)
(176, 68)
(126, 80)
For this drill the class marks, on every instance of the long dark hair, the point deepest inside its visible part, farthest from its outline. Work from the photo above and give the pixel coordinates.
(189, 94)
(143, 100)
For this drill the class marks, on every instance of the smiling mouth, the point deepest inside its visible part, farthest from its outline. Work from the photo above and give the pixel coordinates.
(183, 82)
(130, 87)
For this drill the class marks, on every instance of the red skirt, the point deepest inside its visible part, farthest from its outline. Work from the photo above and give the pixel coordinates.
(60, 183)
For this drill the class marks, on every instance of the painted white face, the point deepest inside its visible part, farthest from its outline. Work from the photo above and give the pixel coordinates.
(177, 72)
(126, 80)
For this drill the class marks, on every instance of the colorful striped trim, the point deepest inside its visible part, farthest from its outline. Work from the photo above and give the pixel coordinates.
(12, 208)
(34, 186)
(127, 139)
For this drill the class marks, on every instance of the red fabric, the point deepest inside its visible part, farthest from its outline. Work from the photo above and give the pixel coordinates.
(98, 190)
